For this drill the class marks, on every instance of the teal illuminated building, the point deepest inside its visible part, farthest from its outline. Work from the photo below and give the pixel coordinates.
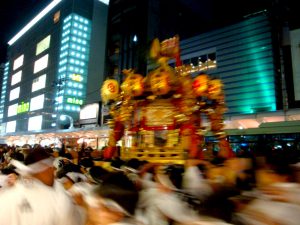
(243, 57)
(55, 65)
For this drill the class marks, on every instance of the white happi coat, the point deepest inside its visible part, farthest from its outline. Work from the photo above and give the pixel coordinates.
(30, 202)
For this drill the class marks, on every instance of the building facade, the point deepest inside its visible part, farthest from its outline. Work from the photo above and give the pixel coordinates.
(251, 54)
(55, 65)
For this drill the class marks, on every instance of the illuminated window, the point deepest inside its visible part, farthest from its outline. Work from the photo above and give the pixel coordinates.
(35, 123)
(14, 94)
(40, 64)
(39, 83)
(11, 126)
(12, 110)
(43, 45)
(37, 102)
(18, 62)
(16, 78)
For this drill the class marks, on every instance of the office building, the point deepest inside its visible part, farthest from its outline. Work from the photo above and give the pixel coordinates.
(55, 65)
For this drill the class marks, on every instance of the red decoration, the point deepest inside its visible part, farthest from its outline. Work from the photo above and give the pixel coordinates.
(109, 152)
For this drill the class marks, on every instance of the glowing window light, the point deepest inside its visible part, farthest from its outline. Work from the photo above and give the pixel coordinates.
(34, 21)
(12, 110)
(106, 2)
(37, 102)
(11, 126)
(14, 94)
(35, 123)
(16, 78)
(40, 64)
(18, 62)
(38, 83)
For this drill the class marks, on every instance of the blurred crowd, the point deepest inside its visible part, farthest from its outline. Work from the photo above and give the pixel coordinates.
(40, 186)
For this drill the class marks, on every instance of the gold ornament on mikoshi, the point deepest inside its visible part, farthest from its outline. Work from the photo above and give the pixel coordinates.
(200, 85)
(155, 49)
(133, 84)
(160, 83)
(109, 90)
(215, 88)
(170, 47)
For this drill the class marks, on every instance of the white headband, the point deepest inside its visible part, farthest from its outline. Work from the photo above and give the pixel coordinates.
(33, 168)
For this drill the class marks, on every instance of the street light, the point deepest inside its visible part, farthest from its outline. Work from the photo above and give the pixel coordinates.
(63, 117)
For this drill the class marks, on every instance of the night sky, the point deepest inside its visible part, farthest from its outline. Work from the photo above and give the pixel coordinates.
(15, 14)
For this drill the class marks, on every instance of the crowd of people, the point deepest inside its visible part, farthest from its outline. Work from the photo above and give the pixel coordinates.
(39, 186)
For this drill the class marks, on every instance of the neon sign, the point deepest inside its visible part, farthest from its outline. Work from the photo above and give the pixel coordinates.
(77, 77)
(23, 107)
(75, 101)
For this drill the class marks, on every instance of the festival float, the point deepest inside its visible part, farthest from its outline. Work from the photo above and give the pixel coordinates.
(158, 117)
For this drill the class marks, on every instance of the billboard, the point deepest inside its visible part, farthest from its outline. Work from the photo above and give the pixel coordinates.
(89, 114)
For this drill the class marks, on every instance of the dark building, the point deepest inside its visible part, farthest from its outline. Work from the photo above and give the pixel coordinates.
(55, 65)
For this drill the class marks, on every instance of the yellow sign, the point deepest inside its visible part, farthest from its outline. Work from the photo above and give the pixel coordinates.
(77, 77)
(23, 107)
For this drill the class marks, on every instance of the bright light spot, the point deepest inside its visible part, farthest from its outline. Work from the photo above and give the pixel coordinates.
(34, 21)
(62, 117)
(135, 38)
(106, 2)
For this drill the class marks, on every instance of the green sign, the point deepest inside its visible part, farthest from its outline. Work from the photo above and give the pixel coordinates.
(23, 107)
(75, 101)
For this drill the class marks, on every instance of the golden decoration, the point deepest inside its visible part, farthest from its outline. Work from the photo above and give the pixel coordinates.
(109, 90)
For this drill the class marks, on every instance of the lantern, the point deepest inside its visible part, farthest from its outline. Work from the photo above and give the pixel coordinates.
(109, 90)
(133, 85)
(200, 85)
(215, 88)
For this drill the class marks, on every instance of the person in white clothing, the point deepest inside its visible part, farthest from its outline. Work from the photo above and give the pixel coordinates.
(36, 198)
(113, 202)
